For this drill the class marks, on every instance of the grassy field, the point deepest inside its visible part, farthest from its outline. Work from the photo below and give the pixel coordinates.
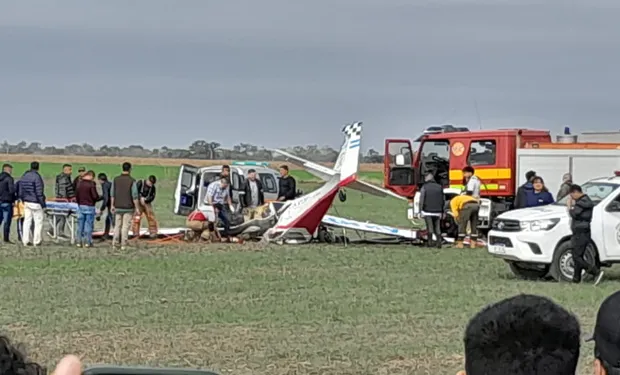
(249, 309)
(168, 172)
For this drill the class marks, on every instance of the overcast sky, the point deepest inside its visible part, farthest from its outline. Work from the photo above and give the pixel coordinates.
(282, 72)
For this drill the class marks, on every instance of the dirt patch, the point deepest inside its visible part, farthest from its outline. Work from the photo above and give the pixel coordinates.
(21, 158)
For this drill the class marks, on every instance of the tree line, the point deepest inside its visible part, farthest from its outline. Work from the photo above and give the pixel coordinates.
(200, 149)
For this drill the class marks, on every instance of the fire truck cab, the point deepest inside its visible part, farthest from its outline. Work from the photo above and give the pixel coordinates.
(445, 151)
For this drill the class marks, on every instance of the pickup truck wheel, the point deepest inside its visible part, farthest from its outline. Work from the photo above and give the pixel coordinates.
(529, 272)
(562, 268)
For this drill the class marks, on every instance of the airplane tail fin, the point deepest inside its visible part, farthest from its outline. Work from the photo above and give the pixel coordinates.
(347, 164)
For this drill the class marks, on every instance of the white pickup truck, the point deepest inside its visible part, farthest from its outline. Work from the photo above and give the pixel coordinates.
(535, 242)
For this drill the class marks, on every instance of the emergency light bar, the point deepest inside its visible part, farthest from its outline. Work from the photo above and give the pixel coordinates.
(617, 173)
(252, 163)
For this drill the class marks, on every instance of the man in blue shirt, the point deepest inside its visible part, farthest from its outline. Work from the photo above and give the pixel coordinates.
(218, 194)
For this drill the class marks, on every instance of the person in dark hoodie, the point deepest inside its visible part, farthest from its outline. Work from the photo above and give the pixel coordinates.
(580, 208)
(521, 197)
(432, 203)
(538, 195)
(147, 193)
(7, 199)
(31, 188)
(106, 204)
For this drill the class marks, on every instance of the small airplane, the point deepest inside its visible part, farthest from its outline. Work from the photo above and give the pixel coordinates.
(305, 218)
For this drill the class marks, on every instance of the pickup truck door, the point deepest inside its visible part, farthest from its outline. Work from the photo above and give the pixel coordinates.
(186, 193)
(611, 228)
(270, 185)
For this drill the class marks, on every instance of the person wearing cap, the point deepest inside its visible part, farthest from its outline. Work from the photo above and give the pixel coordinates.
(432, 203)
(521, 196)
(81, 172)
(522, 335)
(580, 209)
(606, 337)
(254, 196)
(567, 181)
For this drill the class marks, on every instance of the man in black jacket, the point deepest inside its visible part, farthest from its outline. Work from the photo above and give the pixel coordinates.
(146, 193)
(521, 197)
(254, 196)
(580, 208)
(106, 204)
(7, 199)
(432, 202)
(287, 189)
(65, 192)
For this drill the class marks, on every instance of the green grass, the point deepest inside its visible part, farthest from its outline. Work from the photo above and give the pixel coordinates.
(49, 170)
(249, 309)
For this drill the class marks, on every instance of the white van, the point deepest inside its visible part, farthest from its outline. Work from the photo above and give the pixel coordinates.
(192, 184)
(535, 241)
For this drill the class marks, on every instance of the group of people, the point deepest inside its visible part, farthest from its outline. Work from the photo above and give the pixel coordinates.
(124, 201)
(533, 193)
(520, 335)
(464, 208)
(219, 196)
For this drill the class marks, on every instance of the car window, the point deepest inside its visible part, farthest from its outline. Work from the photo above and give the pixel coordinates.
(236, 181)
(269, 183)
(482, 153)
(597, 191)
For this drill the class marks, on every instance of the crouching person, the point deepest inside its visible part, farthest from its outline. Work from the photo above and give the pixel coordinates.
(202, 225)
(465, 209)
(217, 196)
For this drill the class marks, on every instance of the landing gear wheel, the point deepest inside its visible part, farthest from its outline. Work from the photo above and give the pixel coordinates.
(342, 195)
(325, 236)
(562, 268)
(525, 272)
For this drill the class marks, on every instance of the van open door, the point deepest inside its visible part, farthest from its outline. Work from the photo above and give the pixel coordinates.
(186, 193)
(398, 172)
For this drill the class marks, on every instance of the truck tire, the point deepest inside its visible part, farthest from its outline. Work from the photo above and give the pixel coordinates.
(562, 265)
(528, 273)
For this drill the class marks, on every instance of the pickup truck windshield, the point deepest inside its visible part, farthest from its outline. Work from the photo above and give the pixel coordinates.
(597, 191)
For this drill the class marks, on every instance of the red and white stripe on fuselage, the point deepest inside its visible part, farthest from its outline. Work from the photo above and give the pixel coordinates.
(305, 213)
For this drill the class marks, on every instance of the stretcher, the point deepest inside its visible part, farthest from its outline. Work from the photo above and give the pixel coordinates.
(55, 210)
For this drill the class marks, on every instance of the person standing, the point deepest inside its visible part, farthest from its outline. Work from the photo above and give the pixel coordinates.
(86, 197)
(106, 204)
(580, 209)
(539, 195)
(432, 204)
(254, 196)
(567, 181)
(521, 196)
(76, 181)
(465, 209)
(65, 192)
(31, 188)
(7, 199)
(124, 196)
(287, 189)
(147, 193)
(471, 183)
(217, 196)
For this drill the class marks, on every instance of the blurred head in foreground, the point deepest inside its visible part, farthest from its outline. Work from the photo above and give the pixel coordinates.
(522, 335)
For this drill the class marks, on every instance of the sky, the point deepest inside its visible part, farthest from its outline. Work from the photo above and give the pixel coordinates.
(282, 72)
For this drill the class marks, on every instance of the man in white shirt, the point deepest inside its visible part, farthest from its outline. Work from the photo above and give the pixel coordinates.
(472, 183)
(217, 196)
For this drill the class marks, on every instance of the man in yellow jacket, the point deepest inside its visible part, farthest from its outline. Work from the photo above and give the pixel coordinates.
(465, 210)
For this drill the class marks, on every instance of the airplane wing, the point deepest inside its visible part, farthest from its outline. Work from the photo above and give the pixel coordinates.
(326, 173)
(320, 171)
(338, 222)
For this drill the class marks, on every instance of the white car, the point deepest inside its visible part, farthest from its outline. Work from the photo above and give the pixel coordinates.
(536, 241)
